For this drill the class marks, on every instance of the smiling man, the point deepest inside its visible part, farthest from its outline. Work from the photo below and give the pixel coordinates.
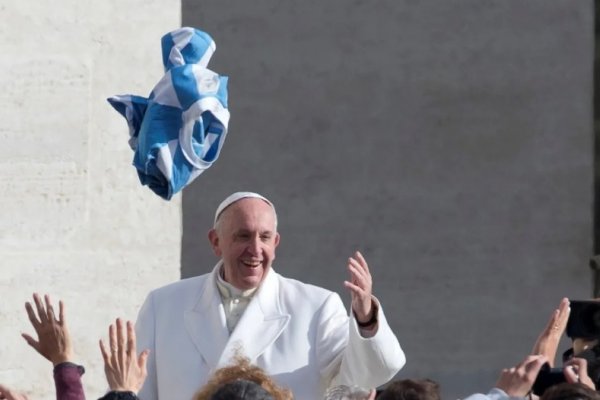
(299, 334)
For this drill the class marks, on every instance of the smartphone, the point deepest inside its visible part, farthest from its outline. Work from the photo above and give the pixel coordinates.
(547, 377)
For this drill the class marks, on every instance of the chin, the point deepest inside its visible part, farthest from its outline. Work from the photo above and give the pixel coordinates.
(251, 284)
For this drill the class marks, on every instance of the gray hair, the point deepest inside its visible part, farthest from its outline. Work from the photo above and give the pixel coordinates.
(345, 392)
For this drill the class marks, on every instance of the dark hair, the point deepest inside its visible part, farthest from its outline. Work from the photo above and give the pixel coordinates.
(241, 390)
(570, 391)
(411, 389)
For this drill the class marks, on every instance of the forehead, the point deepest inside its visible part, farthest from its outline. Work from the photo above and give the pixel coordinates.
(249, 213)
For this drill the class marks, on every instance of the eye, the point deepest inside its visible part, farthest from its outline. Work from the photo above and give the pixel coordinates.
(266, 237)
(242, 236)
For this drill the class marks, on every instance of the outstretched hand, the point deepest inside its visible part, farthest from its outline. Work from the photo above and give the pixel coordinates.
(54, 341)
(360, 286)
(7, 394)
(517, 381)
(125, 370)
(549, 339)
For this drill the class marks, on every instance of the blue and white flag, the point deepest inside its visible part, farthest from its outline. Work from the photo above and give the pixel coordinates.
(178, 131)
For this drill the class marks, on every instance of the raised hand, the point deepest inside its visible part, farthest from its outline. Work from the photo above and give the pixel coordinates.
(54, 341)
(360, 286)
(125, 370)
(549, 339)
(517, 381)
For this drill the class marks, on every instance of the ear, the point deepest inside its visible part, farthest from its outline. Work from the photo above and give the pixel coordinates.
(213, 238)
(277, 237)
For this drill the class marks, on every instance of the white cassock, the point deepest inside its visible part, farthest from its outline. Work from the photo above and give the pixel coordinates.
(299, 334)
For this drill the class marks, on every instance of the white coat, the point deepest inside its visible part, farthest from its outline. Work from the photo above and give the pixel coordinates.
(299, 334)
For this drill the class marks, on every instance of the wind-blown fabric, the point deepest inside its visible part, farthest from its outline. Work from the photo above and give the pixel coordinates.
(178, 131)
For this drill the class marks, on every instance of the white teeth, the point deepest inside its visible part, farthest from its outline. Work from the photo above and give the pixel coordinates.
(252, 264)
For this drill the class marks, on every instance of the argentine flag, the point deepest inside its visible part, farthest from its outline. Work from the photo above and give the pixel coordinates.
(178, 131)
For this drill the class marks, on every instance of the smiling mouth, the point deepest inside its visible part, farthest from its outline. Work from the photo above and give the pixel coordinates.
(252, 264)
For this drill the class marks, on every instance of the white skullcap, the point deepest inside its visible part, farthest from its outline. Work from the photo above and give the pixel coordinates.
(238, 196)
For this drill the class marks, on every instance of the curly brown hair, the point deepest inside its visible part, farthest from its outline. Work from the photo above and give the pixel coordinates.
(411, 389)
(242, 369)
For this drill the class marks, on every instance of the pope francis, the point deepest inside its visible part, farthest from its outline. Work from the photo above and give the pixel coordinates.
(298, 333)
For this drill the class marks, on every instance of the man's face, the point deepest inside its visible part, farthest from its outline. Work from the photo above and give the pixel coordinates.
(245, 239)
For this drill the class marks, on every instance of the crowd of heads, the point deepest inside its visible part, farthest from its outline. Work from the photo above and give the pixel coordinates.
(536, 375)
(125, 368)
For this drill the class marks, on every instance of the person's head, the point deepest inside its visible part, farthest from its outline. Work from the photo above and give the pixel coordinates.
(344, 392)
(241, 369)
(570, 391)
(411, 389)
(245, 236)
(241, 390)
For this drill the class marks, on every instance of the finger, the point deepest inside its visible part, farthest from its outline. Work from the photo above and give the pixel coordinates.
(578, 364)
(61, 313)
(565, 305)
(360, 271)
(570, 375)
(354, 289)
(112, 337)
(534, 364)
(49, 308)
(131, 350)
(362, 261)
(356, 277)
(564, 310)
(32, 317)
(31, 341)
(121, 344)
(105, 353)
(40, 308)
(372, 394)
(143, 360)
(531, 358)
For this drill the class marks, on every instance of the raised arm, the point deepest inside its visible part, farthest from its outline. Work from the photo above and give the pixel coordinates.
(368, 352)
(54, 343)
(549, 339)
(125, 370)
(360, 285)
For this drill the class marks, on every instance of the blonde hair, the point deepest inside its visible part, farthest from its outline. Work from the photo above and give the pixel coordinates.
(242, 369)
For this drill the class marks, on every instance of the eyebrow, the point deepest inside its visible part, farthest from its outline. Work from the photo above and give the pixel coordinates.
(243, 231)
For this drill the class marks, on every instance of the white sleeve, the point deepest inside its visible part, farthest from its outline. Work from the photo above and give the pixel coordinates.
(351, 359)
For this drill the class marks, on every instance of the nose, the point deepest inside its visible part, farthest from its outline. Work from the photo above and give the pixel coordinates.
(254, 246)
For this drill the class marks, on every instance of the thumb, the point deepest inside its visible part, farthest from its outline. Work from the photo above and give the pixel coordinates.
(533, 365)
(570, 374)
(32, 342)
(143, 359)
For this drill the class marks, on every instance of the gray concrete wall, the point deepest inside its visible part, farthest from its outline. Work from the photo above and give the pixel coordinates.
(74, 220)
(450, 141)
